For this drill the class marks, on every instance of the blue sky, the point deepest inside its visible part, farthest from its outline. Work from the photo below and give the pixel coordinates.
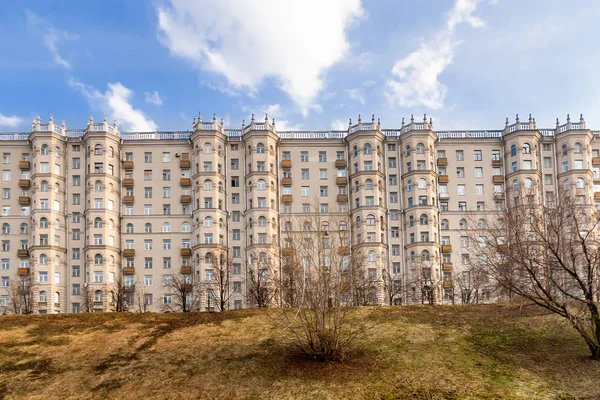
(310, 64)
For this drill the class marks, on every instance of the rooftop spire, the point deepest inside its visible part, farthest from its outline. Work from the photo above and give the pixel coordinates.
(252, 117)
(568, 118)
(424, 118)
(266, 118)
(506, 122)
(517, 119)
(359, 120)
(199, 117)
(51, 118)
(214, 117)
(557, 123)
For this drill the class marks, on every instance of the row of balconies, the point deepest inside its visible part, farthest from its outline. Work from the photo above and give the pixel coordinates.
(185, 269)
(495, 178)
(288, 163)
(185, 182)
(184, 164)
(287, 198)
(496, 162)
(185, 252)
(184, 199)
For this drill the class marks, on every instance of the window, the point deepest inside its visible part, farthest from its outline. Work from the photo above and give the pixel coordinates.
(564, 149)
(478, 190)
(460, 156)
(304, 156)
(513, 150)
(305, 191)
(322, 156)
(460, 172)
(578, 148)
(460, 190)
(478, 172)
(477, 155)
(565, 166)
(526, 164)
(526, 148)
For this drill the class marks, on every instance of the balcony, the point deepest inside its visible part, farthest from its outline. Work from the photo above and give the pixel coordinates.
(22, 253)
(442, 162)
(496, 162)
(127, 165)
(98, 304)
(596, 196)
(444, 196)
(287, 251)
(128, 270)
(447, 266)
(42, 304)
(127, 253)
(342, 198)
(340, 163)
(22, 271)
(25, 165)
(184, 164)
(498, 179)
(185, 252)
(286, 198)
(499, 196)
(446, 248)
(24, 183)
(447, 283)
(186, 269)
(128, 199)
(186, 199)
(187, 287)
(343, 251)
(128, 182)
(443, 178)
(341, 180)
(595, 160)
(286, 163)
(286, 181)
(24, 200)
(186, 182)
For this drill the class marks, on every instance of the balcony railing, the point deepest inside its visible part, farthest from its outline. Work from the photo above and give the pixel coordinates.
(595, 160)
(341, 180)
(596, 196)
(443, 178)
(185, 164)
(128, 270)
(186, 199)
(444, 196)
(446, 248)
(442, 161)
(24, 165)
(286, 181)
(286, 163)
(127, 165)
(498, 195)
(128, 253)
(24, 183)
(185, 182)
(286, 198)
(128, 182)
(340, 163)
(344, 250)
(22, 253)
(496, 162)
(498, 179)
(342, 198)
(447, 266)
(22, 271)
(128, 199)
(186, 269)
(447, 283)
(24, 200)
(185, 252)
(288, 250)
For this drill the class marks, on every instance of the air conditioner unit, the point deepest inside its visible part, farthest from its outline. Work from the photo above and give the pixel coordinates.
(177, 155)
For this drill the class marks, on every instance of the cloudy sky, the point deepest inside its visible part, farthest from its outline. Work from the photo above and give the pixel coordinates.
(310, 64)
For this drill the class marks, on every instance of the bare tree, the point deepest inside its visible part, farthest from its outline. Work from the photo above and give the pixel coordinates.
(185, 294)
(21, 295)
(220, 286)
(393, 285)
(262, 280)
(472, 285)
(121, 295)
(425, 281)
(546, 253)
(318, 285)
(140, 305)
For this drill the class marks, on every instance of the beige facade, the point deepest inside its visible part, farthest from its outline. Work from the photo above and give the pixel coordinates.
(84, 209)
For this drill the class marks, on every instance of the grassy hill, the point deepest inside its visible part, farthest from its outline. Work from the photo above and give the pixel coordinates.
(417, 352)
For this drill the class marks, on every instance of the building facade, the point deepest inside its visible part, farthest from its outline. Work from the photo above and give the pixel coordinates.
(85, 209)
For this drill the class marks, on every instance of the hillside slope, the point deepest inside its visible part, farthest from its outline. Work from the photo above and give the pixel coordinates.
(491, 351)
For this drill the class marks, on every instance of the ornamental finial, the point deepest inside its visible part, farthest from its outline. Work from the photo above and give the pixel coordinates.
(359, 119)
(517, 118)
(424, 118)
(252, 117)
(568, 118)
(214, 117)
(557, 123)
(199, 117)
(506, 122)
(412, 118)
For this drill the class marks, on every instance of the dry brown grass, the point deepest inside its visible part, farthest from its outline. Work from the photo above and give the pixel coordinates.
(470, 352)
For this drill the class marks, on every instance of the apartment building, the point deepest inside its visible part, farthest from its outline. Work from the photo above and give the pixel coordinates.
(83, 209)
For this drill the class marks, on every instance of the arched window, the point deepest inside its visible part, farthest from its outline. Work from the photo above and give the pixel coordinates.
(445, 225)
(463, 224)
(580, 183)
(566, 184)
(425, 255)
(98, 259)
(262, 257)
(325, 226)
(207, 148)
(422, 183)
(408, 149)
(413, 256)
(343, 225)
(57, 151)
(166, 227)
(371, 256)
(5, 229)
(24, 228)
(528, 183)
(186, 227)
(43, 222)
(307, 226)
(515, 185)
(43, 297)
(287, 226)
(262, 221)
(578, 148)
(260, 148)
(45, 150)
(56, 260)
(208, 222)
(411, 220)
(44, 186)
(56, 224)
(220, 187)
(98, 222)
(368, 149)
(98, 186)
(208, 185)
(409, 186)
(481, 223)
(355, 151)
(98, 150)
(526, 148)
(148, 228)
(209, 258)
(111, 224)
(56, 187)
(261, 185)
(513, 149)
(358, 221)
(43, 259)
(111, 151)
(98, 296)
(370, 219)
(420, 148)
(564, 149)
(423, 219)
(129, 228)
(369, 184)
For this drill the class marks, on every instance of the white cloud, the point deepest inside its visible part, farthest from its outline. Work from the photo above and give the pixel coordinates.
(274, 111)
(153, 98)
(356, 94)
(339, 125)
(116, 102)
(51, 35)
(10, 121)
(249, 41)
(415, 77)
